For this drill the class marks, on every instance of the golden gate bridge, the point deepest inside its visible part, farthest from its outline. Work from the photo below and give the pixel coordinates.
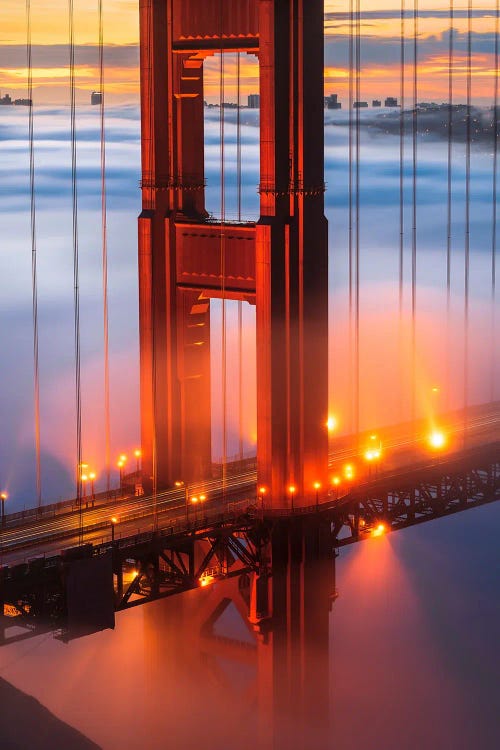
(274, 521)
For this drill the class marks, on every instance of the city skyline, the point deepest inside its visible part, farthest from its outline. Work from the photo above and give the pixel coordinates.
(380, 51)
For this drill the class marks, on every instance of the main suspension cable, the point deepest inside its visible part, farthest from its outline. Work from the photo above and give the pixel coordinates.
(34, 281)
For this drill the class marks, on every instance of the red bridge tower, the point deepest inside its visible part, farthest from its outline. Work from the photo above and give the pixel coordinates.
(280, 263)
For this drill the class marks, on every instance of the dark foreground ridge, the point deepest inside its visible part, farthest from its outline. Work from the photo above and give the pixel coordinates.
(25, 723)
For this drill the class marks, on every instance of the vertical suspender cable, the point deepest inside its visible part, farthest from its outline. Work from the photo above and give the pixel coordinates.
(151, 185)
(76, 283)
(34, 282)
(402, 94)
(357, 238)
(495, 207)
(104, 240)
(350, 209)
(222, 255)
(414, 217)
(449, 203)
(401, 159)
(240, 303)
(468, 124)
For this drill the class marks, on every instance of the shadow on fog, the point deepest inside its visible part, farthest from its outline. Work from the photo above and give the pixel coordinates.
(25, 723)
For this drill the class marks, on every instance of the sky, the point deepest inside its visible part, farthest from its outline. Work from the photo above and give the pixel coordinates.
(380, 50)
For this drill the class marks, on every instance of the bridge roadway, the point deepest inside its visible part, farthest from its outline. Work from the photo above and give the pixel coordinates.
(404, 453)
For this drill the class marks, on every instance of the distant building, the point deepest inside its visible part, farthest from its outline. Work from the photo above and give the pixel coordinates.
(254, 101)
(23, 102)
(5, 99)
(96, 97)
(360, 105)
(391, 101)
(376, 103)
(331, 102)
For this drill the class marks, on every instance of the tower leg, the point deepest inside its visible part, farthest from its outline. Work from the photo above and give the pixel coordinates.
(292, 255)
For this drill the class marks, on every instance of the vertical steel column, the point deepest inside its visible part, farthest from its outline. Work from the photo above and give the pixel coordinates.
(292, 254)
(172, 188)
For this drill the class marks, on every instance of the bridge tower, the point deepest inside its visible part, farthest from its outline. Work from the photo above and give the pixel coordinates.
(280, 263)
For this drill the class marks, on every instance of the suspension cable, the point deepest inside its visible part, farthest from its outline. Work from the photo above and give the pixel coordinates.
(240, 303)
(402, 94)
(495, 207)
(449, 201)
(104, 241)
(34, 281)
(151, 177)
(468, 124)
(222, 256)
(76, 283)
(350, 209)
(414, 216)
(358, 218)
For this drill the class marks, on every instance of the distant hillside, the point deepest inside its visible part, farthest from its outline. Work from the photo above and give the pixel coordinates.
(26, 724)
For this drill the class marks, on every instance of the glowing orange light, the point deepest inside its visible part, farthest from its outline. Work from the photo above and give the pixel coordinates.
(206, 580)
(114, 519)
(349, 471)
(84, 478)
(336, 481)
(435, 389)
(4, 496)
(291, 489)
(379, 529)
(120, 464)
(137, 453)
(202, 498)
(331, 423)
(179, 484)
(262, 490)
(123, 458)
(437, 440)
(92, 475)
(317, 485)
(372, 454)
(194, 499)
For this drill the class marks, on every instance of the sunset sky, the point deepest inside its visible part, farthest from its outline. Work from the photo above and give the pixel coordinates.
(380, 51)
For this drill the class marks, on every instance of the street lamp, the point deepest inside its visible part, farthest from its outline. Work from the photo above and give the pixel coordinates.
(262, 492)
(317, 487)
(3, 497)
(291, 490)
(336, 483)
(195, 501)
(120, 465)
(84, 479)
(92, 477)
(113, 521)
(137, 454)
